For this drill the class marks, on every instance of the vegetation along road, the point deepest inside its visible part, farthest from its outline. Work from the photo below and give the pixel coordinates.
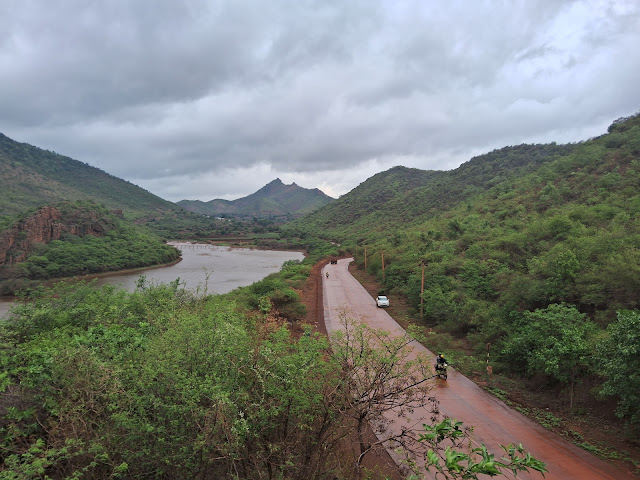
(494, 423)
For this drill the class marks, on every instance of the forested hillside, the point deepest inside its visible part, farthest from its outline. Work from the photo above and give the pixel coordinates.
(275, 200)
(534, 250)
(32, 177)
(403, 196)
(60, 217)
(74, 238)
(515, 211)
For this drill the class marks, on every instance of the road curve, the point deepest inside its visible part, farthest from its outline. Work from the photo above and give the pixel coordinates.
(494, 422)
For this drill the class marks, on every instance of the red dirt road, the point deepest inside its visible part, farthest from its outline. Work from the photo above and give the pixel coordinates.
(494, 422)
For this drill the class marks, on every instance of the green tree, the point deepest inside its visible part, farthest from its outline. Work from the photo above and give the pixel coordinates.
(451, 456)
(378, 380)
(162, 384)
(558, 269)
(619, 356)
(553, 341)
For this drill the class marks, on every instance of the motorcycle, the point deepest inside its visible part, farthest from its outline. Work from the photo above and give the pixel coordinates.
(441, 370)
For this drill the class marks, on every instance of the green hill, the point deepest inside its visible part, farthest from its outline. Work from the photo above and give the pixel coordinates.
(403, 196)
(33, 177)
(513, 213)
(273, 200)
(522, 244)
(60, 217)
(74, 238)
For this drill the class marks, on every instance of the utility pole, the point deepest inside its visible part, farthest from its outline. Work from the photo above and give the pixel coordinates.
(422, 290)
(382, 254)
(365, 257)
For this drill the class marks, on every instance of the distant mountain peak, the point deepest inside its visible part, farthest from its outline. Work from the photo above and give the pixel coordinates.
(274, 199)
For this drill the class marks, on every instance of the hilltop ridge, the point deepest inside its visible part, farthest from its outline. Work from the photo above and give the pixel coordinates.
(274, 199)
(33, 177)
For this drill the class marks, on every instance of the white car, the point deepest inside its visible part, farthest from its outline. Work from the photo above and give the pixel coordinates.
(382, 301)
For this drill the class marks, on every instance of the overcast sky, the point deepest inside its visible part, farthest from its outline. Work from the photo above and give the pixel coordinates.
(203, 99)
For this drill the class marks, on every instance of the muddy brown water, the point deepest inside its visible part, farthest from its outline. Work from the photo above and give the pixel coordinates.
(218, 269)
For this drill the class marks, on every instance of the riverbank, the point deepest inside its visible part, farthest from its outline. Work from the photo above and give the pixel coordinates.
(7, 300)
(275, 246)
(129, 271)
(89, 277)
(203, 268)
(114, 273)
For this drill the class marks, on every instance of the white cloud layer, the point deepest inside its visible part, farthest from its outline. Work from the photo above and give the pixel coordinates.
(213, 99)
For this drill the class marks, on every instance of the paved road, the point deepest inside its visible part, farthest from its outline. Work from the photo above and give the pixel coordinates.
(460, 398)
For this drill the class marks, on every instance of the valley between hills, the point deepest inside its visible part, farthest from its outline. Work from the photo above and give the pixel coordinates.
(525, 259)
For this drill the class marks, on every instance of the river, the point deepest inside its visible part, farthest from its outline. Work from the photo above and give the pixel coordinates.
(227, 268)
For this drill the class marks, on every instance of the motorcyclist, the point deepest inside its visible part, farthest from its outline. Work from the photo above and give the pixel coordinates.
(441, 362)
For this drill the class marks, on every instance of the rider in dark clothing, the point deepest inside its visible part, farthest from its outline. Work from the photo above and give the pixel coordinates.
(440, 362)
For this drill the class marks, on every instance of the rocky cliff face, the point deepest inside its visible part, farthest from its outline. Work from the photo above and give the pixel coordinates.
(45, 225)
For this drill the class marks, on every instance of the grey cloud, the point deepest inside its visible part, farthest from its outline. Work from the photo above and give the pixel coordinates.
(176, 94)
